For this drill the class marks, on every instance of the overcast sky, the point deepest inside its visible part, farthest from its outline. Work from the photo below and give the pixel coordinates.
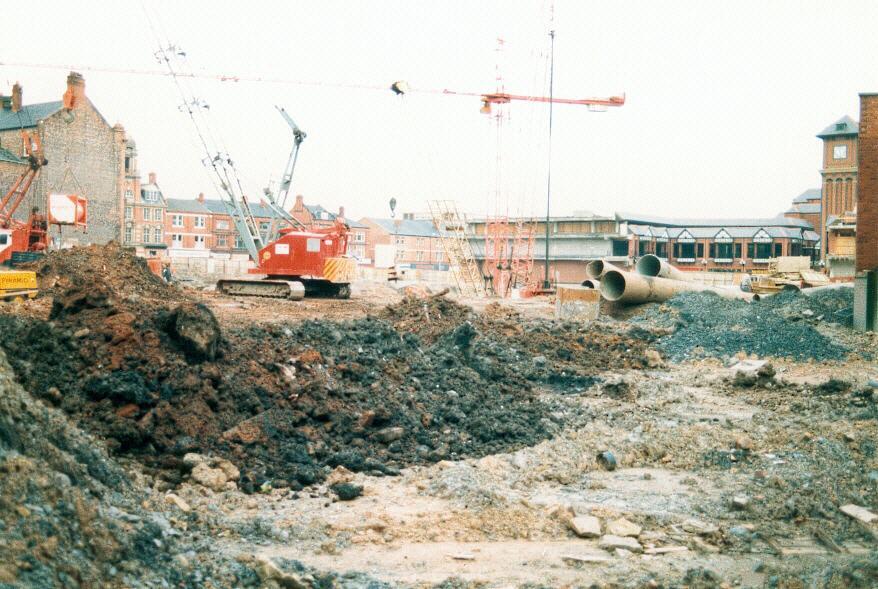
(723, 98)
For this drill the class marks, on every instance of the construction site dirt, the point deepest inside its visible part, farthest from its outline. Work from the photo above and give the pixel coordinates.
(417, 440)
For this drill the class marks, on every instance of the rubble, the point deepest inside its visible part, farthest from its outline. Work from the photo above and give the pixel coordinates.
(586, 526)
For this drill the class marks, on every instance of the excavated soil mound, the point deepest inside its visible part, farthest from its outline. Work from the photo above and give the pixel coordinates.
(112, 266)
(70, 517)
(428, 380)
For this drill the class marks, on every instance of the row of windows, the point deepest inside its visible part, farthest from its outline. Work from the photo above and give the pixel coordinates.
(146, 235)
(148, 214)
(719, 251)
(148, 195)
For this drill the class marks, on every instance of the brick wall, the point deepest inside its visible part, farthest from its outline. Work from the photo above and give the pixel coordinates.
(867, 213)
(95, 154)
(9, 173)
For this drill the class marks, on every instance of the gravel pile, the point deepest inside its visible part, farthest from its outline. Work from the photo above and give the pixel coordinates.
(703, 324)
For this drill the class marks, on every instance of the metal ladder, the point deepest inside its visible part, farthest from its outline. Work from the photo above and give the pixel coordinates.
(457, 247)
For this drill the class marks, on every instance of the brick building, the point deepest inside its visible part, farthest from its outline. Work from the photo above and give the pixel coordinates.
(144, 213)
(417, 241)
(573, 241)
(866, 279)
(807, 206)
(86, 156)
(718, 245)
(838, 195)
(188, 227)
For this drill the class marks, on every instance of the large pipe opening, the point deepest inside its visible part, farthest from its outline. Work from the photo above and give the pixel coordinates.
(613, 285)
(649, 265)
(594, 269)
(591, 283)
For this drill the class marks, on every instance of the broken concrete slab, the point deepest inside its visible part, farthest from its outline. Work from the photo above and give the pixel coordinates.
(623, 527)
(857, 512)
(586, 526)
(611, 542)
(599, 556)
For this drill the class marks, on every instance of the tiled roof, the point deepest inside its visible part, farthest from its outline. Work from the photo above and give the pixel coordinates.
(186, 205)
(28, 116)
(689, 223)
(406, 227)
(221, 207)
(810, 194)
(809, 208)
(843, 126)
(8, 156)
(318, 212)
(710, 232)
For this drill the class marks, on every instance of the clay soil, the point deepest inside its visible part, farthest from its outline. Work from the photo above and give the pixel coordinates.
(396, 440)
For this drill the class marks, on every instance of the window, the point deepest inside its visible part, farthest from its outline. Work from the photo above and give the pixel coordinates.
(176, 240)
(722, 251)
(129, 194)
(263, 226)
(147, 233)
(199, 242)
(778, 250)
(684, 251)
(158, 235)
(420, 256)
(199, 222)
(157, 215)
(620, 247)
(147, 214)
(700, 250)
(643, 248)
(312, 244)
(359, 237)
(759, 251)
(661, 249)
(221, 241)
(150, 195)
(177, 220)
(737, 250)
(222, 224)
(400, 241)
(129, 213)
(127, 238)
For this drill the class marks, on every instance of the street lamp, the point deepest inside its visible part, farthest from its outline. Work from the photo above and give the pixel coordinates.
(392, 204)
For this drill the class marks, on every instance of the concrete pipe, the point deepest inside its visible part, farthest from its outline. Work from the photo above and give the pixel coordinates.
(597, 268)
(652, 265)
(591, 283)
(631, 288)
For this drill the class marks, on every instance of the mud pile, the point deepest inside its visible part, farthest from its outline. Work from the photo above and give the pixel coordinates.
(702, 324)
(112, 266)
(70, 516)
(287, 402)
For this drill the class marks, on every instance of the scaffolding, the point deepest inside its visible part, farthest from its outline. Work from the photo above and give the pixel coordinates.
(452, 229)
(509, 253)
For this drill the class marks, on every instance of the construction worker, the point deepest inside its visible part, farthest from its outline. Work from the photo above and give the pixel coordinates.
(166, 272)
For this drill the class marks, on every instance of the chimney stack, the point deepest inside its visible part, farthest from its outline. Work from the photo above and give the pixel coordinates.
(341, 212)
(152, 177)
(300, 203)
(200, 197)
(75, 90)
(16, 97)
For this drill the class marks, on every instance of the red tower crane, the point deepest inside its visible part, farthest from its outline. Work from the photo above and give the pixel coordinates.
(490, 98)
(509, 244)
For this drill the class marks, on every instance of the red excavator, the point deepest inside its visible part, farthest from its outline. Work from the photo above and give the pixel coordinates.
(20, 237)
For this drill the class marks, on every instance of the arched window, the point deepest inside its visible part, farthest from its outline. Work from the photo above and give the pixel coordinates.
(848, 195)
(839, 197)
